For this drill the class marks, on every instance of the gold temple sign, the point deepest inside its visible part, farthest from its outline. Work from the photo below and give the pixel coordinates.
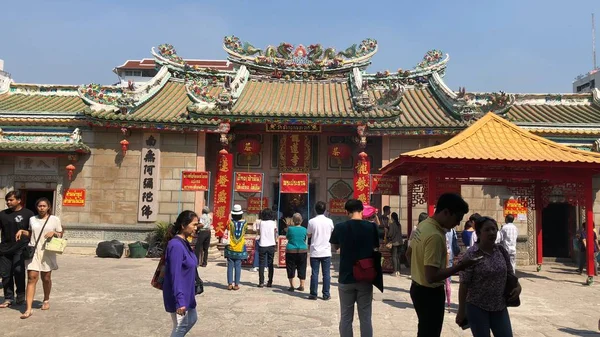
(285, 128)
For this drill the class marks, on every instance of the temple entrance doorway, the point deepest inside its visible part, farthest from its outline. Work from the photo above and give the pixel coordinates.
(296, 203)
(31, 196)
(557, 220)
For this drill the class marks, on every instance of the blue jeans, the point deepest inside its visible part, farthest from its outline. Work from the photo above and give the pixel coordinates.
(325, 263)
(231, 264)
(255, 263)
(183, 324)
(482, 322)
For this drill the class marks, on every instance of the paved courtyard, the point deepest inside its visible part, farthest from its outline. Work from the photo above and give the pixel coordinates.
(106, 297)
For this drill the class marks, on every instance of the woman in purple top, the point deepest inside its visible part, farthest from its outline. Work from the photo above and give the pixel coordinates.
(179, 293)
(481, 301)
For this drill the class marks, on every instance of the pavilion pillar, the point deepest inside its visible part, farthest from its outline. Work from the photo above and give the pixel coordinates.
(589, 218)
(431, 192)
(200, 166)
(409, 206)
(538, 225)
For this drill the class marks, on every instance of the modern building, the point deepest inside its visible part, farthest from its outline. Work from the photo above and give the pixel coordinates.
(587, 82)
(111, 157)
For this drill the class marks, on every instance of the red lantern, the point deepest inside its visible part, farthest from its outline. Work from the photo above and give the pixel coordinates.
(124, 146)
(339, 151)
(70, 168)
(248, 147)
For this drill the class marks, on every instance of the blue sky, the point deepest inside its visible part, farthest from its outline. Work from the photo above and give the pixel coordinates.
(510, 45)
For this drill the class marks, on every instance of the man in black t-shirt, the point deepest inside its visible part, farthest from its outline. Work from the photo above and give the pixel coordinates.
(357, 239)
(12, 265)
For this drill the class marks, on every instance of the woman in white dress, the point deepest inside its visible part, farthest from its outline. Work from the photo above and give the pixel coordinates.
(43, 261)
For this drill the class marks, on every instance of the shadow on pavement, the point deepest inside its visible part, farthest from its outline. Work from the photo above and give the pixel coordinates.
(398, 304)
(578, 332)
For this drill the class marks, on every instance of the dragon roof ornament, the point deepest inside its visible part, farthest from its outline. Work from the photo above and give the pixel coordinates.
(300, 59)
(217, 92)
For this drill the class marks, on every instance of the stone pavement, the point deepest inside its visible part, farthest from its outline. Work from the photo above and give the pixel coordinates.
(107, 297)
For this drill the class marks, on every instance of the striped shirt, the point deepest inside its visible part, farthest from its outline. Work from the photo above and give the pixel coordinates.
(509, 238)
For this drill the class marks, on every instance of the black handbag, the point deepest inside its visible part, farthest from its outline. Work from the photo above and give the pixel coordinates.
(199, 284)
(512, 281)
(29, 251)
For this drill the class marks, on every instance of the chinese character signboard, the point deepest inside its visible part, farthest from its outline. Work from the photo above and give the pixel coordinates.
(516, 208)
(222, 194)
(282, 242)
(74, 197)
(194, 181)
(248, 182)
(387, 185)
(286, 128)
(256, 204)
(149, 178)
(36, 165)
(294, 153)
(336, 206)
(293, 183)
(362, 177)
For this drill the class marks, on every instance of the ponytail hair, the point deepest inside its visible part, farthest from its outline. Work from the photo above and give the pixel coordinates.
(183, 220)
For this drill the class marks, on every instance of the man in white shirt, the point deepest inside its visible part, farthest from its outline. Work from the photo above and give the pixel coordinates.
(509, 239)
(319, 231)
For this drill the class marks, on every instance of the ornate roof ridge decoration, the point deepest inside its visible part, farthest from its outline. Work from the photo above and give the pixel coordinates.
(115, 98)
(553, 99)
(167, 56)
(205, 93)
(42, 89)
(5, 82)
(48, 141)
(596, 96)
(312, 59)
(433, 62)
(468, 106)
(392, 92)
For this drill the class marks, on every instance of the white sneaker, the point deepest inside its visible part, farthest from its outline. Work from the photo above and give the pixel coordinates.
(255, 269)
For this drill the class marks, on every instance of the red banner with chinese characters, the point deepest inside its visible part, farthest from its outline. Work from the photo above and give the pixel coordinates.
(336, 206)
(282, 242)
(194, 181)
(294, 153)
(387, 185)
(293, 183)
(222, 195)
(362, 171)
(515, 207)
(248, 182)
(74, 197)
(255, 206)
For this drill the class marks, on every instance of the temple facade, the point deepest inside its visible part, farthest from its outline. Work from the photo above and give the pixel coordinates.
(111, 158)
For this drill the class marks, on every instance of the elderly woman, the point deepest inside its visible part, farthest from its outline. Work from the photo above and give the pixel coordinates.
(296, 251)
(481, 299)
(235, 252)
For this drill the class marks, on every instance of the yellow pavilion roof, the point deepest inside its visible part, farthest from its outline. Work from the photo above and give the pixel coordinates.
(493, 138)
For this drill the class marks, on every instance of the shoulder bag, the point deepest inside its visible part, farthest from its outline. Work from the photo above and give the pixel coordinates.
(159, 273)
(56, 245)
(29, 251)
(363, 270)
(512, 281)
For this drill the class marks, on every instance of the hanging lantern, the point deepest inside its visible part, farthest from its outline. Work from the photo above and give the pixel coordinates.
(70, 168)
(248, 147)
(124, 146)
(339, 152)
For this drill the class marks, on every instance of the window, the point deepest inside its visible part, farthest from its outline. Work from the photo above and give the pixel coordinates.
(132, 73)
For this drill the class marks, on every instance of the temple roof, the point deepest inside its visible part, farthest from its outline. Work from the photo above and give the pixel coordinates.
(494, 139)
(296, 85)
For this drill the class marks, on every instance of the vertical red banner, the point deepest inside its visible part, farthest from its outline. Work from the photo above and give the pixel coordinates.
(294, 153)
(222, 195)
(362, 184)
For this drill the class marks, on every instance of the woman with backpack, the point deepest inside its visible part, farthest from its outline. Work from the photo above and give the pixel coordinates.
(179, 288)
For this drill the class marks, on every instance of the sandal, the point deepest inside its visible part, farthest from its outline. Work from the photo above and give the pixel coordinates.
(6, 304)
(45, 305)
(26, 315)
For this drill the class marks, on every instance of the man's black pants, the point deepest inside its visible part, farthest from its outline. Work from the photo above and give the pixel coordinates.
(12, 271)
(429, 305)
(202, 245)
